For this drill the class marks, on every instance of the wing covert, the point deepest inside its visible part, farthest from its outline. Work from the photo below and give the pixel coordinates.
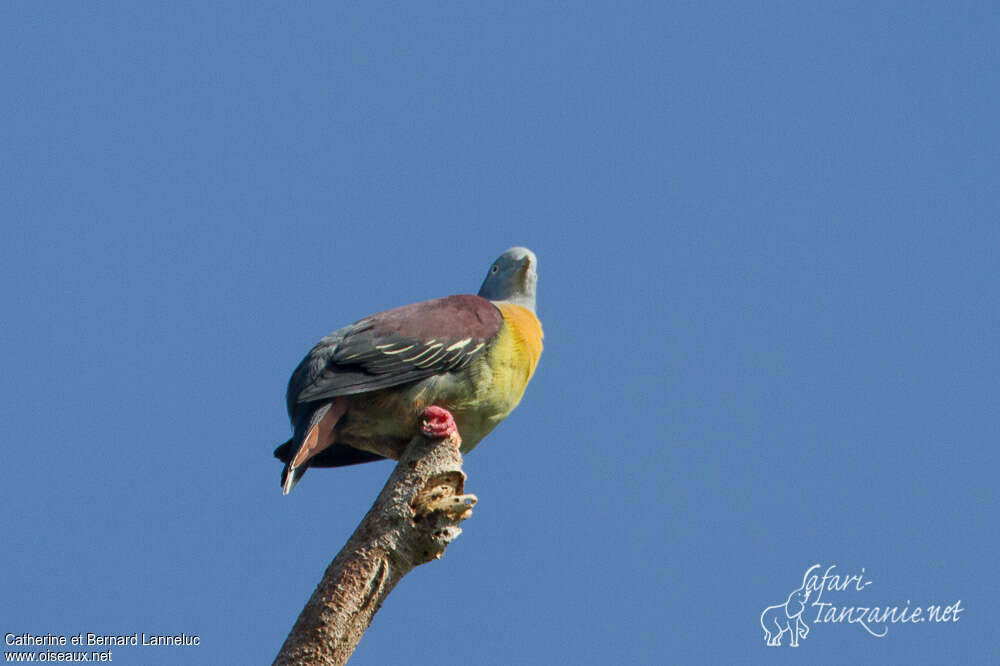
(396, 347)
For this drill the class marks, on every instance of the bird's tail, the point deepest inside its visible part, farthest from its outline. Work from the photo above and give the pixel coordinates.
(284, 453)
(309, 441)
(337, 455)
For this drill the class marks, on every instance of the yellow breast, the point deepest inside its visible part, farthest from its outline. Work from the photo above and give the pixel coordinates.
(521, 338)
(498, 380)
(513, 357)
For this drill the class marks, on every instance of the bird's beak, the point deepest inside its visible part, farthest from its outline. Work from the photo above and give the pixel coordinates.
(524, 272)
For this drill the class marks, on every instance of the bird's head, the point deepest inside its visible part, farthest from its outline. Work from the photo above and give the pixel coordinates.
(512, 278)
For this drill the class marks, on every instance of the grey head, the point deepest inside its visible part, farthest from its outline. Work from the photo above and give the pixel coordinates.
(512, 278)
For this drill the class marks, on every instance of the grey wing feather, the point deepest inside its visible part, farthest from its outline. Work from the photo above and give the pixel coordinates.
(396, 347)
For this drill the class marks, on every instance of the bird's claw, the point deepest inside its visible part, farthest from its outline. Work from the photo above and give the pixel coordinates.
(437, 422)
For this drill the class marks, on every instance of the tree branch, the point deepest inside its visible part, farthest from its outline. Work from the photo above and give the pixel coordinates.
(413, 520)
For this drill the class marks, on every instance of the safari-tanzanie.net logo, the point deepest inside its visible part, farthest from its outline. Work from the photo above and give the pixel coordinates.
(821, 597)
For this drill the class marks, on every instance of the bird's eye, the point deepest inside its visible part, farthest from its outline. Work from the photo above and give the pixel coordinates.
(494, 269)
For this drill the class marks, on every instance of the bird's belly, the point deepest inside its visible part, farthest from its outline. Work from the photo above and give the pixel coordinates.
(383, 422)
(497, 389)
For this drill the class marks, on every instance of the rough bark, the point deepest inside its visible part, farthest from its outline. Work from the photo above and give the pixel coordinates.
(413, 520)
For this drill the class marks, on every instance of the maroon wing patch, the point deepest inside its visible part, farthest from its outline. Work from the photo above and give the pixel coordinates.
(396, 347)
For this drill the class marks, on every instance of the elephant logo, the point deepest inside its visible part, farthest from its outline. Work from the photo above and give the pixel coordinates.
(776, 620)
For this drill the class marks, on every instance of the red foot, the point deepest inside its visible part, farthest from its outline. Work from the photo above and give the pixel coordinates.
(437, 422)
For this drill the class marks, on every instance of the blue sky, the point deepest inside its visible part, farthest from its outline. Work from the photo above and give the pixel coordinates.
(768, 239)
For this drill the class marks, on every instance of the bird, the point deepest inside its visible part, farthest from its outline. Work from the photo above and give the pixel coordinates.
(463, 361)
